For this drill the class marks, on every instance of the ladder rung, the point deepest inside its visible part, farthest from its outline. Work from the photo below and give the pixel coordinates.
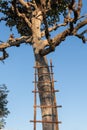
(43, 73)
(42, 66)
(47, 106)
(49, 94)
(38, 121)
(44, 81)
(44, 91)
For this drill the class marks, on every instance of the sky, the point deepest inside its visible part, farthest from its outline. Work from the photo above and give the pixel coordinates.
(70, 70)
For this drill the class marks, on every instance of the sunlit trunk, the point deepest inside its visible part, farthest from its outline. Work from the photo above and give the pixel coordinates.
(49, 114)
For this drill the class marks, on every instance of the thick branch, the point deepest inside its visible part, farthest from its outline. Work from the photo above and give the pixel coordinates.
(41, 46)
(44, 48)
(24, 3)
(15, 42)
(56, 42)
(62, 36)
(79, 25)
(56, 26)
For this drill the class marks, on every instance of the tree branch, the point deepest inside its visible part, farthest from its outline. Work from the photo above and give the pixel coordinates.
(81, 36)
(56, 26)
(22, 15)
(24, 3)
(69, 18)
(27, 4)
(79, 26)
(39, 47)
(62, 36)
(15, 42)
(4, 55)
(55, 42)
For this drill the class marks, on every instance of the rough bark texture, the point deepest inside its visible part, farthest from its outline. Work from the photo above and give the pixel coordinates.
(46, 98)
(44, 84)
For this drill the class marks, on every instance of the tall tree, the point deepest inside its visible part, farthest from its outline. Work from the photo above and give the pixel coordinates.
(35, 20)
(3, 105)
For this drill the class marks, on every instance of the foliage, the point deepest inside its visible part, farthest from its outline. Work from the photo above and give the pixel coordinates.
(50, 14)
(3, 104)
(12, 19)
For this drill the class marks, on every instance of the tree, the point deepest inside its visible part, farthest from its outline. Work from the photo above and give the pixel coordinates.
(35, 20)
(3, 105)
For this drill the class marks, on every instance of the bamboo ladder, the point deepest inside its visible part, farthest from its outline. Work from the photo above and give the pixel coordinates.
(35, 91)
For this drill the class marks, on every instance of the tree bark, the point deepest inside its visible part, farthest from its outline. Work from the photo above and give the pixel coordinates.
(49, 114)
(47, 97)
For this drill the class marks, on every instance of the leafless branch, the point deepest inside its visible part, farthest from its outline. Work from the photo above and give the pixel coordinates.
(4, 54)
(82, 36)
(56, 26)
(79, 26)
(23, 3)
(27, 4)
(83, 16)
(15, 42)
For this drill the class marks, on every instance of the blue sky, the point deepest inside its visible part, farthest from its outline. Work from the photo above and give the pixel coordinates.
(70, 69)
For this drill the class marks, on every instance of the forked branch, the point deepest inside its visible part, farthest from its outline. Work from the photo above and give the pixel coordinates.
(13, 42)
(57, 40)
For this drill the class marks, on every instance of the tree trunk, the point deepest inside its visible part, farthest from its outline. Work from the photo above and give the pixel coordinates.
(47, 98)
(49, 114)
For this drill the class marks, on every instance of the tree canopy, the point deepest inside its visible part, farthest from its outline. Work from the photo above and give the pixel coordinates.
(51, 15)
(3, 105)
(14, 9)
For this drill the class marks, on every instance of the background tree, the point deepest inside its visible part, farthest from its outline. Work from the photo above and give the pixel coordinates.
(3, 105)
(35, 20)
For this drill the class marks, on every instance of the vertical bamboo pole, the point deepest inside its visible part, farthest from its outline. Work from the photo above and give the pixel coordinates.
(35, 99)
(50, 67)
(54, 102)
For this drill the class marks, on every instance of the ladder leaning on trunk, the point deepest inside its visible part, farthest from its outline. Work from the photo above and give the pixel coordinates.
(36, 91)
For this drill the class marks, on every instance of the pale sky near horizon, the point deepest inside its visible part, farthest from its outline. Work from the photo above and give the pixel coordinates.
(70, 70)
